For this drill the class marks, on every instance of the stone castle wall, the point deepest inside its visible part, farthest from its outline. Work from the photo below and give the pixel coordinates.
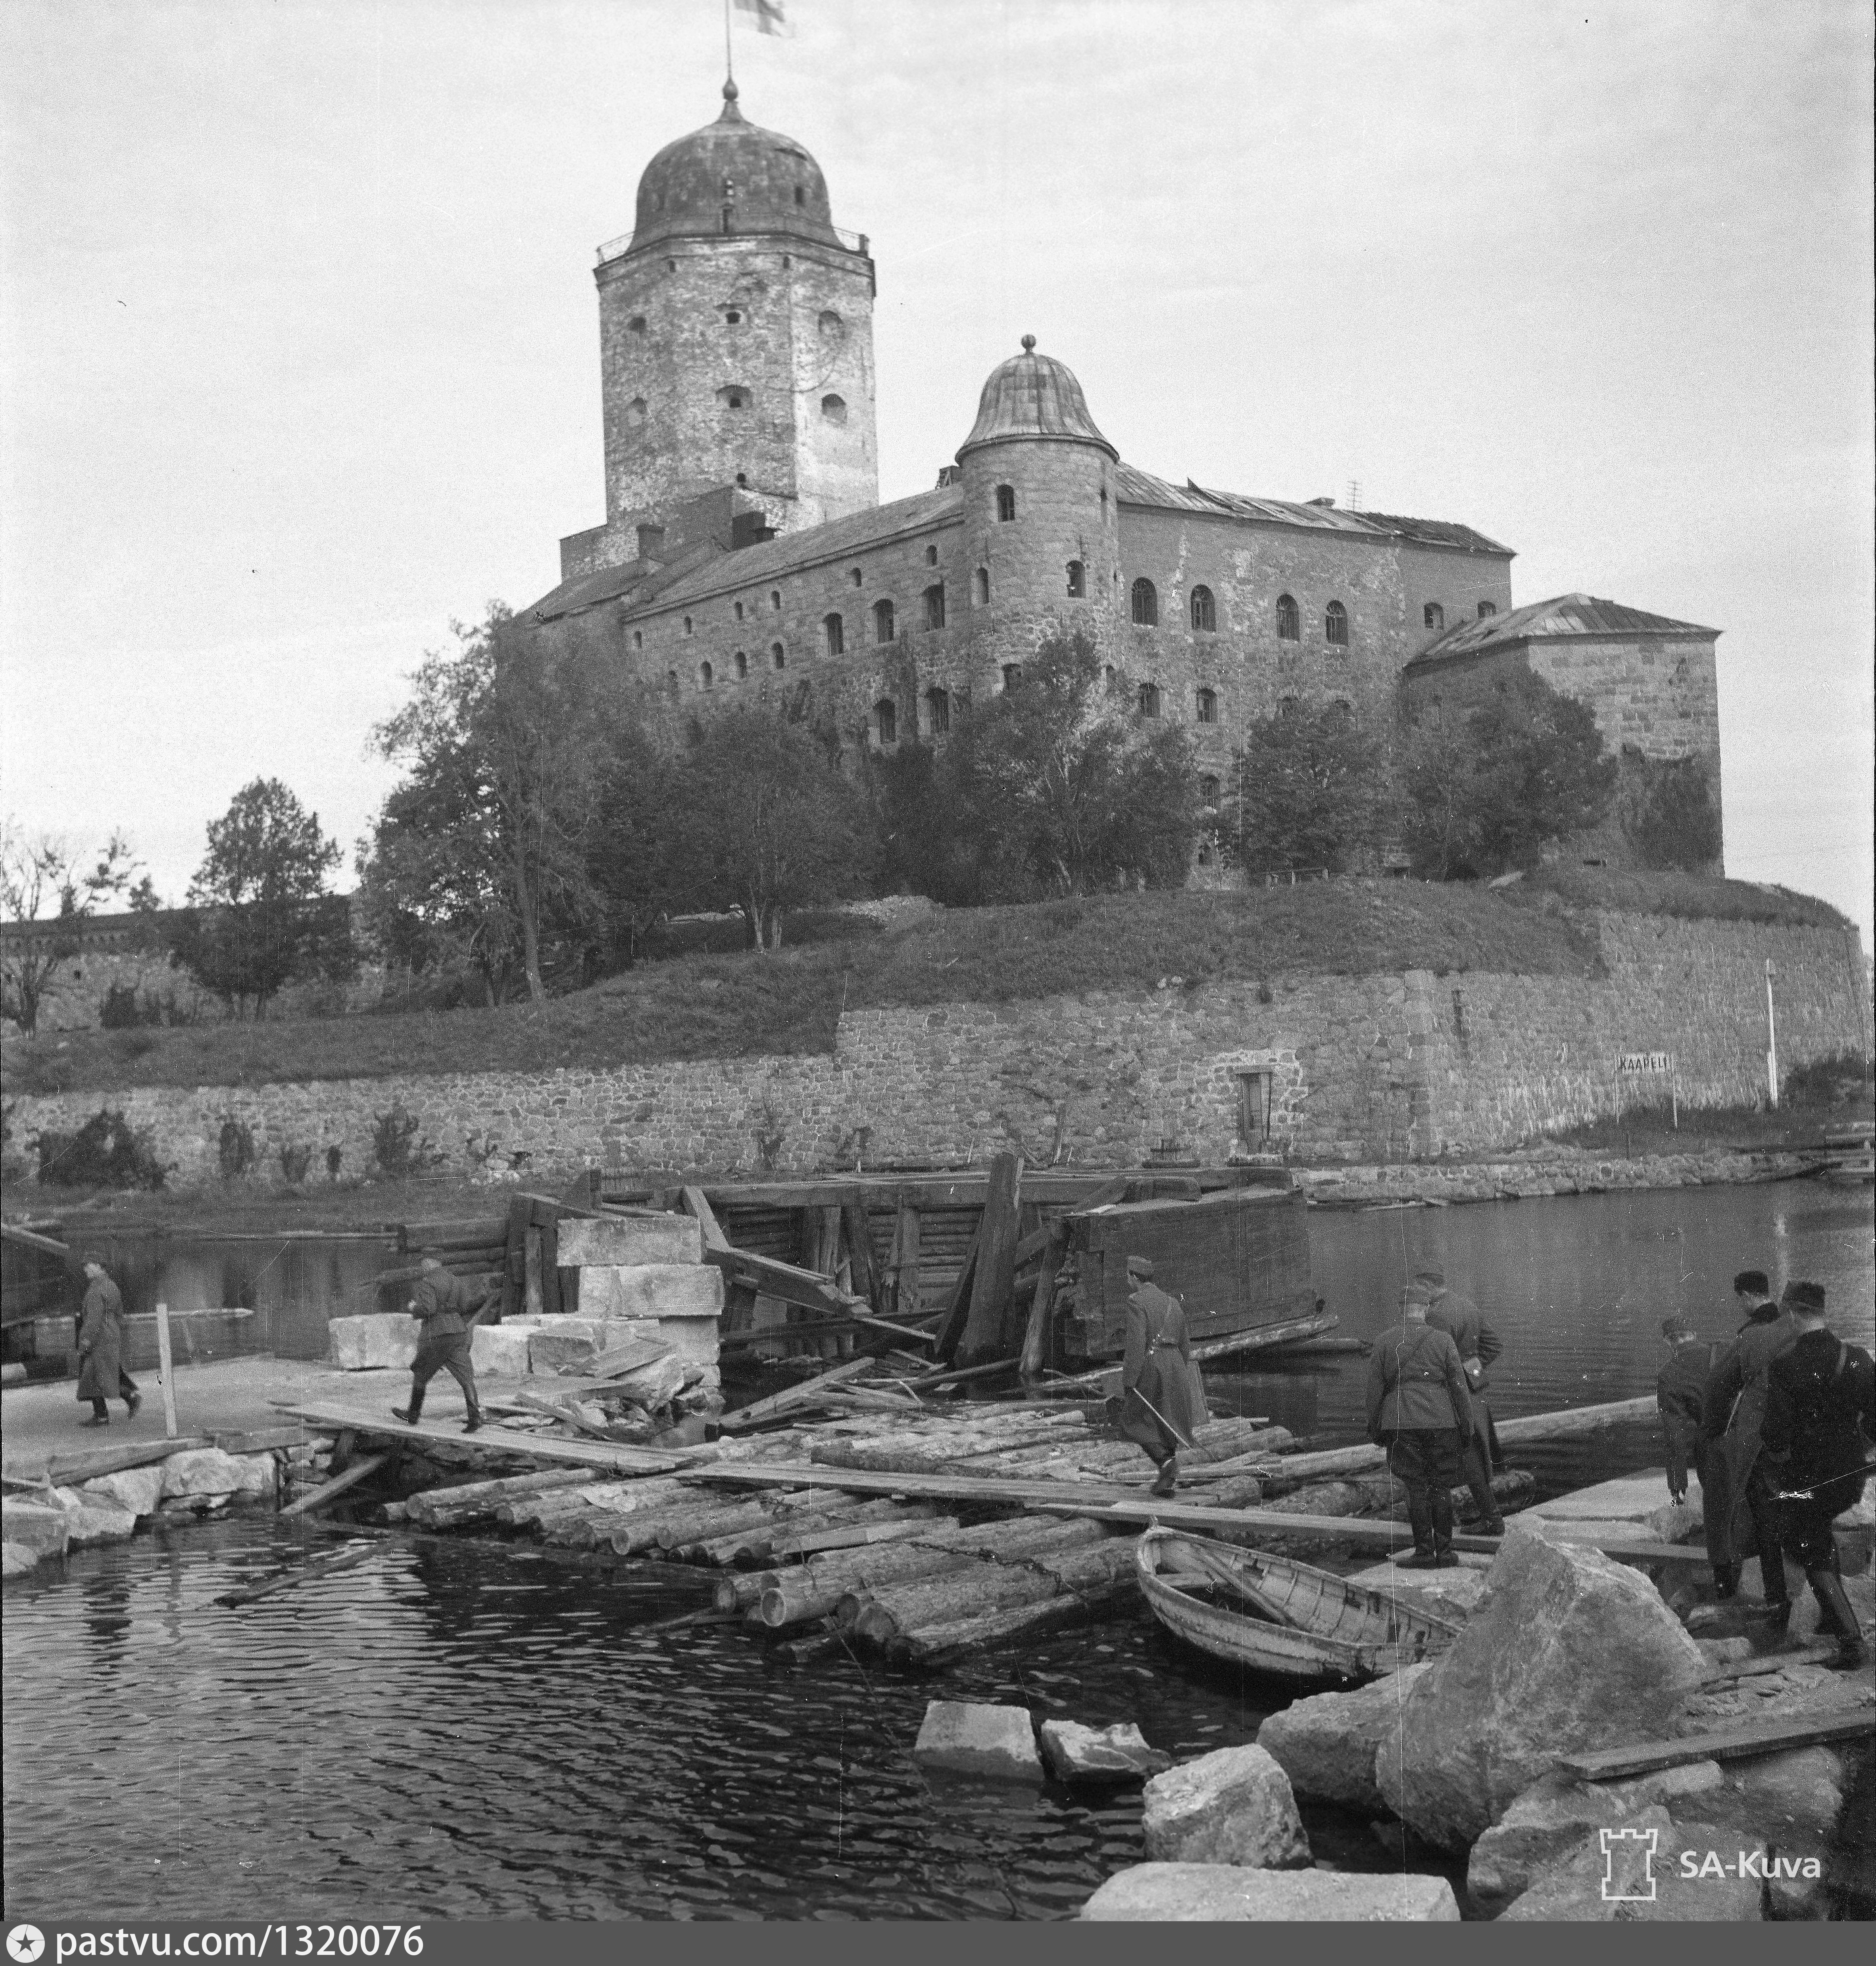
(1398, 1067)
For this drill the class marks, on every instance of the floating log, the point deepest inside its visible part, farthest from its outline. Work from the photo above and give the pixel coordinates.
(1043, 1574)
(526, 1511)
(1253, 1338)
(1728, 1744)
(812, 1589)
(334, 1489)
(315, 1570)
(848, 1535)
(764, 1545)
(472, 1501)
(1559, 1425)
(937, 1644)
(716, 1517)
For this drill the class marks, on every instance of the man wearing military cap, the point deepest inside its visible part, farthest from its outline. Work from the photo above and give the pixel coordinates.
(1732, 1410)
(1478, 1345)
(1679, 1389)
(442, 1307)
(1420, 1411)
(1157, 1375)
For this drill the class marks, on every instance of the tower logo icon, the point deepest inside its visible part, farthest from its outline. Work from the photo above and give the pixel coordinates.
(1628, 1865)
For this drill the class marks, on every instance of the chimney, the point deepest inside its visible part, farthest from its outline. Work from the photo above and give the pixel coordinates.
(651, 542)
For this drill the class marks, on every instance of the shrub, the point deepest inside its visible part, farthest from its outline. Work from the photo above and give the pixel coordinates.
(295, 1161)
(335, 1158)
(1669, 814)
(235, 1147)
(105, 1153)
(397, 1148)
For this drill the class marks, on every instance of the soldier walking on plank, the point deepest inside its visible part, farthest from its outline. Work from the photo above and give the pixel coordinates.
(1420, 1411)
(1820, 1412)
(1477, 1344)
(442, 1305)
(102, 1377)
(1679, 1389)
(1733, 1410)
(1156, 1375)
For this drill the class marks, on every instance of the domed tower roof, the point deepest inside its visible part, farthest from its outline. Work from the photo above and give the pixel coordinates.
(730, 177)
(1036, 397)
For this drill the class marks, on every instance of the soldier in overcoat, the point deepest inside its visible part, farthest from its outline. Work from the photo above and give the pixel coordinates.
(101, 1374)
(443, 1305)
(1156, 1375)
(1420, 1409)
(1478, 1344)
(1732, 1410)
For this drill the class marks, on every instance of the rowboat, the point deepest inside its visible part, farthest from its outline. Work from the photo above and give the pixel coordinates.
(1280, 1616)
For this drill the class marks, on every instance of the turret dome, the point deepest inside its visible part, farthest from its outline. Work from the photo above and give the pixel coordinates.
(730, 177)
(1035, 397)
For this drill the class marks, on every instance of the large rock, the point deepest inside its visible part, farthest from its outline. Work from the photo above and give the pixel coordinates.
(628, 1241)
(499, 1351)
(652, 1290)
(1326, 1744)
(138, 1489)
(1553, 1816)
(1567, 1650)
(16, 1559)
(1231, 1807)
(45, 1530)
(386, 1341)
(996, 1742)
(1194, 1894)
(88, 1520)
(205, 1470)
(1117, 1754)
(1791, 1800)
(1638, 1877)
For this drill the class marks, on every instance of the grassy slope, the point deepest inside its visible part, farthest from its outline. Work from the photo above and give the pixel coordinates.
(732, 1005)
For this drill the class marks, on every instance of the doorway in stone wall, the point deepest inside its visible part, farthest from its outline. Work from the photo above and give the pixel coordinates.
(1254, 1110)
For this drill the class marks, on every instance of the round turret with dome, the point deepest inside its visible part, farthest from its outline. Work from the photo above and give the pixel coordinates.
(1040, 510)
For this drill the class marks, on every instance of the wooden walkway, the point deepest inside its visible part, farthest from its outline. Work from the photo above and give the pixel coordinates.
(606, 1457)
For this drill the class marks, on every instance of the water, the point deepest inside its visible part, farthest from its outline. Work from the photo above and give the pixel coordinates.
(470, 1730)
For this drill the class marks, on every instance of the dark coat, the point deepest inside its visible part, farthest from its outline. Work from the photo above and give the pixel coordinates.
(1733, 1402)
(1416, 1382)
(100, 1341)
(1156, 1371)
(1820, 1410)
(1464, 1323)
(1678, 1390)
(443, 1304)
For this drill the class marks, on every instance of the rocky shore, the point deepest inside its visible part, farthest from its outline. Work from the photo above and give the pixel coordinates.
(1545, 1170)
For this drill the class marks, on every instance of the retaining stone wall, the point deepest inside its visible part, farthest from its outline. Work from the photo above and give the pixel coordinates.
(1390, 1068)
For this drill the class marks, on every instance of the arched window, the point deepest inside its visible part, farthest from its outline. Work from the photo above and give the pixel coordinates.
(778, 655)
(937, 712)
(733, 316)
(981, 586)
(742, 478)
(1077, 580)
(1013, 676)
(775, 599)
(1208, 706)
(637, 324)
(706, 675)
(1146, 603)
(1110, 676)
(1287, 707)
(1205, 853)
(1342, 711)
(882, 620)
(733, 396)
(886, 715)
(1005, 502)
(1204, 610)
(934, 605)
(1434, 715)
(931, 556)
(836, 635)
(857, 577)
(742, 663)
(739, 610)
(1289, 619)
(635, 413)
(687, 624)
(1487, 608)
(833, 408)
(1208, 789)
(638, 638)
(670, 681)
(1433, 615)
(1149, 699)
(1335, 624)
(801, 196)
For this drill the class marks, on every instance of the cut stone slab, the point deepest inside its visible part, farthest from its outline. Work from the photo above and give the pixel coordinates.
(1195, 1893)
(1231, 1807)
(1638, 1499)
(1326, 1743)
(565, 1344)
(1640, 1879)
(996, 1741)
(1117, 1754)
(499, 1351)
(16, 1559)
(138, 1489)
(386, 1341)
(1567, 1650)
(1553, 1816)
(628, 1241)
(45, 1531)
(659, 1383)
(1457, 1590)
(662, 1290)
(205, 1470)
(694, 1339)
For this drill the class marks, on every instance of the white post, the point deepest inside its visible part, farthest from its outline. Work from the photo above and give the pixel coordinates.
(169, 1377)
(1772, 1040)
(1674, 1090)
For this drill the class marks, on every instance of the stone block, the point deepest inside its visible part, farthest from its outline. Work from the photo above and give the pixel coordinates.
(45, 1531)
(1640, 1879)
(692, 1339)
(16, 1559)
(90, 1521)
(499, 1351)
(656, 1384)
(386, 1341)
(996, 1741)
(1326, 1743)
(1207, 1893)
(203, 1471)
(137, 1489)
(261, 1474)
(565, 1344)
(1232, 1806)
(629, 1239)
(663, 1291)
(1567, 1650)
(1117, 1754)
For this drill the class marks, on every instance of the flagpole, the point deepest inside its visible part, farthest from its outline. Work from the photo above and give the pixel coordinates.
(729, 64)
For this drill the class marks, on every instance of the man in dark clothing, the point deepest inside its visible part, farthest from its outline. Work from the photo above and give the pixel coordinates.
(1732, 1409)
(1678, 1390)
(1156, 1375)
(100, 1376)
(442, 1307)
(1820, 1414)
(1753, 1290)
(1420, 1411)
(1477, 1343)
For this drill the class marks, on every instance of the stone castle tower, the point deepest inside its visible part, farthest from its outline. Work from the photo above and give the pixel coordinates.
(736, 342)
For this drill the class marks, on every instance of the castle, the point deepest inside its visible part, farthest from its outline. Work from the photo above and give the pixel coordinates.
(745, 556)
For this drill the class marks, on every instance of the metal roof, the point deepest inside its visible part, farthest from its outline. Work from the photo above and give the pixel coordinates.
(1141, 487)
(1566, 615)
(1032, 396)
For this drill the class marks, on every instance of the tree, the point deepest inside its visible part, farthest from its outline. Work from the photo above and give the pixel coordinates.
(259, 915)
(1304, 793)
(1483, 794)
(1668, 811)
(775, 825)
(43, 894)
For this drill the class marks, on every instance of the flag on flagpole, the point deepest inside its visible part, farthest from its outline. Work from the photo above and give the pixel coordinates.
(770, 18)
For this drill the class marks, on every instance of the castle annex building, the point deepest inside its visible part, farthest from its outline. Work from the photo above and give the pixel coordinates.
(745, 556)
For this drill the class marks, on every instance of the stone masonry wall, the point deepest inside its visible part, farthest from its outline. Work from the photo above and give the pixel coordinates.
(1361, 1068)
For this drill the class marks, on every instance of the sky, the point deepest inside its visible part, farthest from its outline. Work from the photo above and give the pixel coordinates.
(301, 353)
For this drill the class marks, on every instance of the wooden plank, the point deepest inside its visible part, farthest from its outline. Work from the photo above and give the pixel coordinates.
(984, 1336)
(1036, 1337)
(862, 1270)
(616, 1456)
(166, 1364)
(1729, 1744)
(697, 1203)
(549, 1221)
(313, 1571)
(1253, 1338)
(65, 1471)
(951, 1325)
(778, 1403)
(533, 1297)
(334, 1489)
(906, 1278)
(254, 1440)
(28, 1239)
(515, 1281)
